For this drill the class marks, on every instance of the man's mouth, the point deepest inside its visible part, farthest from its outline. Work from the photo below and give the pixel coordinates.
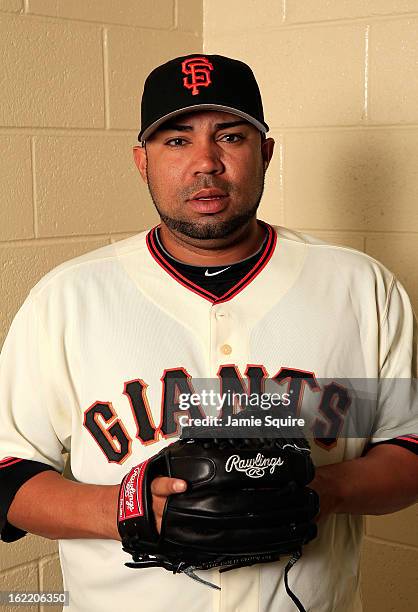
(209, 201)
(209, 194)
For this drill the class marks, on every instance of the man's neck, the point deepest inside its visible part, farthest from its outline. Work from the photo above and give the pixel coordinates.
(243, 243)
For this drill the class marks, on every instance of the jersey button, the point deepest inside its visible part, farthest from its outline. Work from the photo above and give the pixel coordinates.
(226, 349)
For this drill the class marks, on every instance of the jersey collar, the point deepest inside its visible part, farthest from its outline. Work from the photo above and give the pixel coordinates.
(168, 267)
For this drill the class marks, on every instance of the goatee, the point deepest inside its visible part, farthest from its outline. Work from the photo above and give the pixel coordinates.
(211, 228)
(208, 231)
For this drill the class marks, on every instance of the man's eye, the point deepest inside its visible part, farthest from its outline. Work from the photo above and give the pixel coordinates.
(176, 142)
(231, 137)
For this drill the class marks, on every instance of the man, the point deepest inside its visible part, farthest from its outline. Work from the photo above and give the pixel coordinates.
(90, 358)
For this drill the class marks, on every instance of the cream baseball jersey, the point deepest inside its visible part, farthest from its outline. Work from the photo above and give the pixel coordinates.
(98, 352)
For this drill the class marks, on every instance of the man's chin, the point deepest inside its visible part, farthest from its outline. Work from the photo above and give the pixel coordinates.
(206, 229)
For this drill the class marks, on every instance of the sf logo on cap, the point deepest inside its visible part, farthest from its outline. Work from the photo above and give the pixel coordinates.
(197, 70)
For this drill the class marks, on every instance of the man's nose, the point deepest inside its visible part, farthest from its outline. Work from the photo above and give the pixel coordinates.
(207, 158)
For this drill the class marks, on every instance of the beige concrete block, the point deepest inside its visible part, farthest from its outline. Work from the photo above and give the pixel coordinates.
(11, 6)
(352, 180)
(307, 76)
(89, 185)
(22, 266)
(50, 575)
(29, 548)
(155, 14)
(399, 527)
(132, 55)
(60, 74)
(271, 206)
(22, 578)
(390, 578)
(190, 16)
(323, 10)
(16, 209)
(354, 241)
(393, 88)
(43, 7)
(237, 15)
(50, 579)
(399, 253)
(117, 237)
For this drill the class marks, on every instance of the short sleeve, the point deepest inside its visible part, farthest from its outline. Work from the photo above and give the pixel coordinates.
(397, 412)
(29, 442)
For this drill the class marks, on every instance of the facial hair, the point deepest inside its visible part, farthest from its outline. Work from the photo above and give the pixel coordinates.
(214, 229)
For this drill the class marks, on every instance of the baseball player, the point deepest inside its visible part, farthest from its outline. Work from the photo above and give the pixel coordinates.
(96, 355)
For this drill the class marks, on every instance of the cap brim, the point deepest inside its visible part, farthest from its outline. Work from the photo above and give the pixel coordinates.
(263, 127)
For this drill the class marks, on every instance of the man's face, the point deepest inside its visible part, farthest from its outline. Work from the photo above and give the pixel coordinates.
(205, 172)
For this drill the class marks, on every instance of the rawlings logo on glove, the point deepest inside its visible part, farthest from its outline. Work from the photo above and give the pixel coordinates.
(253, 468)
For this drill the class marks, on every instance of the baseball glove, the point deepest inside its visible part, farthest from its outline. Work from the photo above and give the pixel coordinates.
(246, 502)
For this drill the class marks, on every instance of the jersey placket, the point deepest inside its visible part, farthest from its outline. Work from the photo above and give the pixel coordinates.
(228, 337)
(229, 345)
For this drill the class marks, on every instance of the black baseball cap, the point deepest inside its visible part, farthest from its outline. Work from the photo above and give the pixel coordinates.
(200, 82)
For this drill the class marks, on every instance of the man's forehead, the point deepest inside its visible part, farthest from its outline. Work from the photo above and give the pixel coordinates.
(214, 119)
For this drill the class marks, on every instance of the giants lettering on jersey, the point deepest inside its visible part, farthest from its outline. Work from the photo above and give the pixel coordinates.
(112, 437)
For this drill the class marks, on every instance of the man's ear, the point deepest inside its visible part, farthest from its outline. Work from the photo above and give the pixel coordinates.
(267, 148)
(140, 158)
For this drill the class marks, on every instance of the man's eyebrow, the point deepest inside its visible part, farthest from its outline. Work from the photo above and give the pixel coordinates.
(181, 127)
(229, 124)
(177, 127)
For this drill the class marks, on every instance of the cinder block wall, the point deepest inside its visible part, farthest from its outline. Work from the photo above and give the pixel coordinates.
(340, 85)
(71, 74)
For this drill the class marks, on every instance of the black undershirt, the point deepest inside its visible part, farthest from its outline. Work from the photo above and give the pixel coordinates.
(216, 279)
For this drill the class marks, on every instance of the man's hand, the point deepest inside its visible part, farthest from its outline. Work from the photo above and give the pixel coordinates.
(161, 488)
(56, 508)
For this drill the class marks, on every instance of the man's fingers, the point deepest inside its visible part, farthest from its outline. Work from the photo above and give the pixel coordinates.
(163, 486)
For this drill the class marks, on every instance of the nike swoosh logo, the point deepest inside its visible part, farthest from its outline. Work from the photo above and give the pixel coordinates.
(207, 273)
